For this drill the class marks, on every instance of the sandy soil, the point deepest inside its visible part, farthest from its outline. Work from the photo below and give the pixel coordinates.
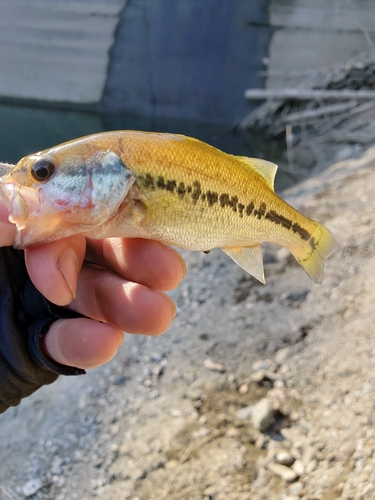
(256, 392)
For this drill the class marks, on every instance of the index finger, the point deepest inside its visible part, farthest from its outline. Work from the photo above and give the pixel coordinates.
(147, 262)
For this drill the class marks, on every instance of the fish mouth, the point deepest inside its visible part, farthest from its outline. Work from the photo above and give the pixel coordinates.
(23, 205)
(20, 201)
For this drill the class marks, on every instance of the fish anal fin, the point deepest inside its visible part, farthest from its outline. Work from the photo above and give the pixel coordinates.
(250, 259)
(265, 168)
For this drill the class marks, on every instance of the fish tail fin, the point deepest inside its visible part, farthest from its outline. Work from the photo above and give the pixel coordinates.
(319, 247)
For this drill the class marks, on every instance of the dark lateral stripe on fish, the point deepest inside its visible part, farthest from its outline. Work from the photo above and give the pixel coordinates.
(288, 224)
(225, 200)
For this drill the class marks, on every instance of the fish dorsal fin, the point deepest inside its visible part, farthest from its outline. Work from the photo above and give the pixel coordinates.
(265, 168)
(250, 259)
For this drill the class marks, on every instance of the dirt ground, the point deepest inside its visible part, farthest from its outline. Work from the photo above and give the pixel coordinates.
(256, 392)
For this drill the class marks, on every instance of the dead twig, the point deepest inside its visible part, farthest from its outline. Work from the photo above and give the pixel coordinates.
(307, 95)
(359, 109)
(317, 112)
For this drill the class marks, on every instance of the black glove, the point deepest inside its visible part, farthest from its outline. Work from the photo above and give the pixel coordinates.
(25, 316)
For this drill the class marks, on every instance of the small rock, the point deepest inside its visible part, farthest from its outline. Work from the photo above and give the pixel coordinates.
(308, 454)
(153, 395)
(157, 370)
(59, 481)
(258, 376)
(120, 380)
(345, 152)
(262, 415)
(176, 413)
(295, 488)
(244, 388)
(293, 435)
(284, 458)
(194, 394)
(31, 487)
(56, 467)
(263, 364)
(171, 464)
(211, 365)
(232, 432)
(210, 491)
(298, 467)
(202, 419)
(156, 357)
(282, 355)
(295, 298)
(244, 413)
(282, 471)
(201, 432)
(261, 442)
(114, 429)
(311, 466)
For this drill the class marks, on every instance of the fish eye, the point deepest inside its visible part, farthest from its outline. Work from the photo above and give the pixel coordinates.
(42, 169)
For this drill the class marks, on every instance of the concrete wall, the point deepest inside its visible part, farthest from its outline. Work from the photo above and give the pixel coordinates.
(187, 59)
(315, 34)
(56, 50)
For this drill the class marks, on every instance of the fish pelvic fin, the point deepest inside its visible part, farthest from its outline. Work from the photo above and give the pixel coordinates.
(319, 247)
(250, 259)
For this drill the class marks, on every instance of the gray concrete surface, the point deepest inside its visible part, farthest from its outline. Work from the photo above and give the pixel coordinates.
(56, 50)
(316, 34)
(187, 59)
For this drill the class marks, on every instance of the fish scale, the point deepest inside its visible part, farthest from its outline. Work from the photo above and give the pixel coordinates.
(167, 187)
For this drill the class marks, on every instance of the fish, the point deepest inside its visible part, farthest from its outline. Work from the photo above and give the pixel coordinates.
(160, 186)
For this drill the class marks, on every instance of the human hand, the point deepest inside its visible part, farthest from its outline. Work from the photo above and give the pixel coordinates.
(120, 290)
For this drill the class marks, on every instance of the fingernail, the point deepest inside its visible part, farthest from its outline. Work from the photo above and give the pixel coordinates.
(121, 340)
(173, 307)
(184, 266)
(67, 264)
(181, 259)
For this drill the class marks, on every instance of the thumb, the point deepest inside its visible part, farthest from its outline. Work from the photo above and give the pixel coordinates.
(54, 267)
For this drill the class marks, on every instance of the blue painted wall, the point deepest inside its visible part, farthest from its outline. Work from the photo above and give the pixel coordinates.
(188, 59)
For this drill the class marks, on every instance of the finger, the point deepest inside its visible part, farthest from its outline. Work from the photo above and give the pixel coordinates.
(54, 268)
(7, 229)
(82, 342)
(147, 262)
(132, 307)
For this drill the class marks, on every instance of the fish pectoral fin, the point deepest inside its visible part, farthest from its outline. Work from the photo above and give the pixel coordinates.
(250, 259)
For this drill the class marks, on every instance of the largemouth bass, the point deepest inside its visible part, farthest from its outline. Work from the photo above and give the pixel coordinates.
(160, 186)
